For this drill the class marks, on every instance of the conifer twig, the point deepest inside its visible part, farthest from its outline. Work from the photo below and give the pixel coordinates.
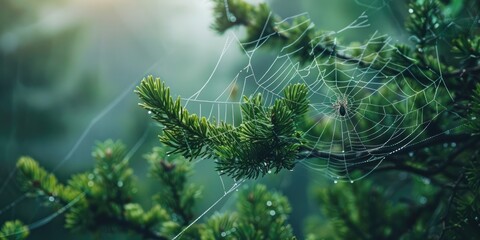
(449, 204)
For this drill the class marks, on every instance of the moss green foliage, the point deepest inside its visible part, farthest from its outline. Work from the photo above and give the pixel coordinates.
(105, 198)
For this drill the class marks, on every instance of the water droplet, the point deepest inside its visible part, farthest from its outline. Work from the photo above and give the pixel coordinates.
(474, 118)
(423, 200)
(410, 154)
(410, 10)
(233, 229)
(445, 145)
(149, 112)
(269, 203)
(420, 50)
(223, 234)
(90, 183)
(90, 176)
(272, 212)
(351, 181)
(51, 199)
(426, 180)
(476, 218)
(343, 151)
(335, 181)
(232, 18)
(120, 184)
(269, 171)
(453, 144)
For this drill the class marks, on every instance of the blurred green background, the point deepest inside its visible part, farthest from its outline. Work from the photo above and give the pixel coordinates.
(68, 68)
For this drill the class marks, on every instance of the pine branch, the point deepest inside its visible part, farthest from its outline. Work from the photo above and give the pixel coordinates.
(432, 171)
(38, 183)
(14, 230)
(263, 215)
(175, 193)
(416, 213)
(308, 152)
(221, 225)
(449, 205)
(262, 26)
(123, 224)
(105, 193)
(462, 72)
(102, 205)
(184, 132)
(240, 152)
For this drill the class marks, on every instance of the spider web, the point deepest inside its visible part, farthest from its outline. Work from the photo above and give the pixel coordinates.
(383, 113)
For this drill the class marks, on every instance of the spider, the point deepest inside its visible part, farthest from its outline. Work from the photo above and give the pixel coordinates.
(341, 106)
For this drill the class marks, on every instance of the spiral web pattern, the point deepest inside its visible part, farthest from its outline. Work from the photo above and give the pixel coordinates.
(363, 108)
